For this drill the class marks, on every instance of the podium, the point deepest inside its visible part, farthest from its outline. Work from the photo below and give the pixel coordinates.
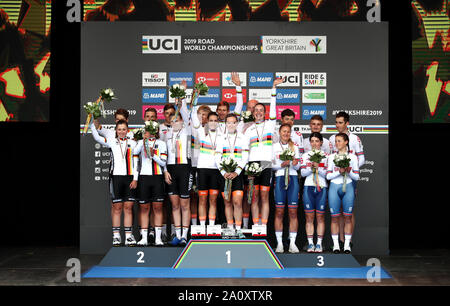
(225, 258)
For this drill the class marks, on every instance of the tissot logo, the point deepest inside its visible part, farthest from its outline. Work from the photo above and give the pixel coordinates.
(161, 44)
(150, 79)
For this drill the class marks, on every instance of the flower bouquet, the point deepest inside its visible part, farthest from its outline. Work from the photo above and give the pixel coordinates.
(342, 160)
(287, 154)
(95, 109)
(138, 134)
(247, 116)
(316, 156)
(178, 92)
(252, 169)
(229, 165)
(152, 127)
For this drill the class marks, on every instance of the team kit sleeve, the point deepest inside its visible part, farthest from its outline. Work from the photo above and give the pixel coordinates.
(135, 165)
(162, 157)
(243, 162)
(331, 173)
(276, 161)
(359, 151)
(273, 105)
(354, 172)
(305, 170)
(185, 112)
(194, 118)
(323, 170)
(297, 157)
(239, 101)
(98, 138)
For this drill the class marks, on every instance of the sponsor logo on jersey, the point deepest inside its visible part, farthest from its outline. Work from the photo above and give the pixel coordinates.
(229, 95)
(311, 110)
(212, 79)
(161, 44)
(292, 79)
(314, 79)
(314, 95)
(227, 82)
(260, 79)
(288, 96)
(154, 79)
(157, 95)
(178, 77)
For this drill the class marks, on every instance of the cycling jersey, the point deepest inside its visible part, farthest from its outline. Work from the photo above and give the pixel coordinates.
(306, 170)
(296, 137)
(123, 163)
(260, 135)
(152, 165)
(355, 145)
(278, 148)
(333, 172)
(233, 146)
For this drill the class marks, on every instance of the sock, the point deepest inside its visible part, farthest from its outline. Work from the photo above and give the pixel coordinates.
(172, 229)
(151, 230)
(279, 236)
(255, 221)
(127, 232)
(158, 231)
(292, 237)
(202, 222)
(310, 240)
(238, 227)
(178, 231)
(144, 233)
(116, 232)
(319, 240)
(212, 220)
(259, 220)
(263, 221)
(194, 219)
(348, 238)
(335, 240)
(164, 229)
(245, 221)
(185, 232)
(230, 225)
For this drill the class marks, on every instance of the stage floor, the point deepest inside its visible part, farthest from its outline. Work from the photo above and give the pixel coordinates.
(47, 266)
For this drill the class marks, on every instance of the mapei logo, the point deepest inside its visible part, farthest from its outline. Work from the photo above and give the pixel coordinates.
(158, 95)
(161, 44)
(312, 110)
(261, 79)
(288, 96)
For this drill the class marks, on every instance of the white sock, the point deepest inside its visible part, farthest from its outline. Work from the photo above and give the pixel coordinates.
(245, 222)
(279, 236)
(211, 222)
(127, 235)
(319, 240)
(144, 233)
(292, 237)
(348, 238)
(230, 226)
(238, 227)
(185, 232)
(116, 235)
(202, 222)
(310, 240)
(172, 228)
(194, 221)
(158, 233)
(178, 232)
(335, 240)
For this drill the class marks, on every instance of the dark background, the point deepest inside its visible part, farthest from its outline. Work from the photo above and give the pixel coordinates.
(40, 161)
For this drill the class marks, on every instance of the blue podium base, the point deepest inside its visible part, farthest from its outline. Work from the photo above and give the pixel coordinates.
(235, 259)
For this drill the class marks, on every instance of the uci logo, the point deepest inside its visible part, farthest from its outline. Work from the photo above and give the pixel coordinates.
(161, 44)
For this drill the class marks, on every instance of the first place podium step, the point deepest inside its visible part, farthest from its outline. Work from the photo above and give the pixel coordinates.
(224, 259)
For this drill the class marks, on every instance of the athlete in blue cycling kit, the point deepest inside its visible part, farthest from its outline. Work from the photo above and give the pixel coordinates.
(336, 195)
(314, 192)
(289, 195)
